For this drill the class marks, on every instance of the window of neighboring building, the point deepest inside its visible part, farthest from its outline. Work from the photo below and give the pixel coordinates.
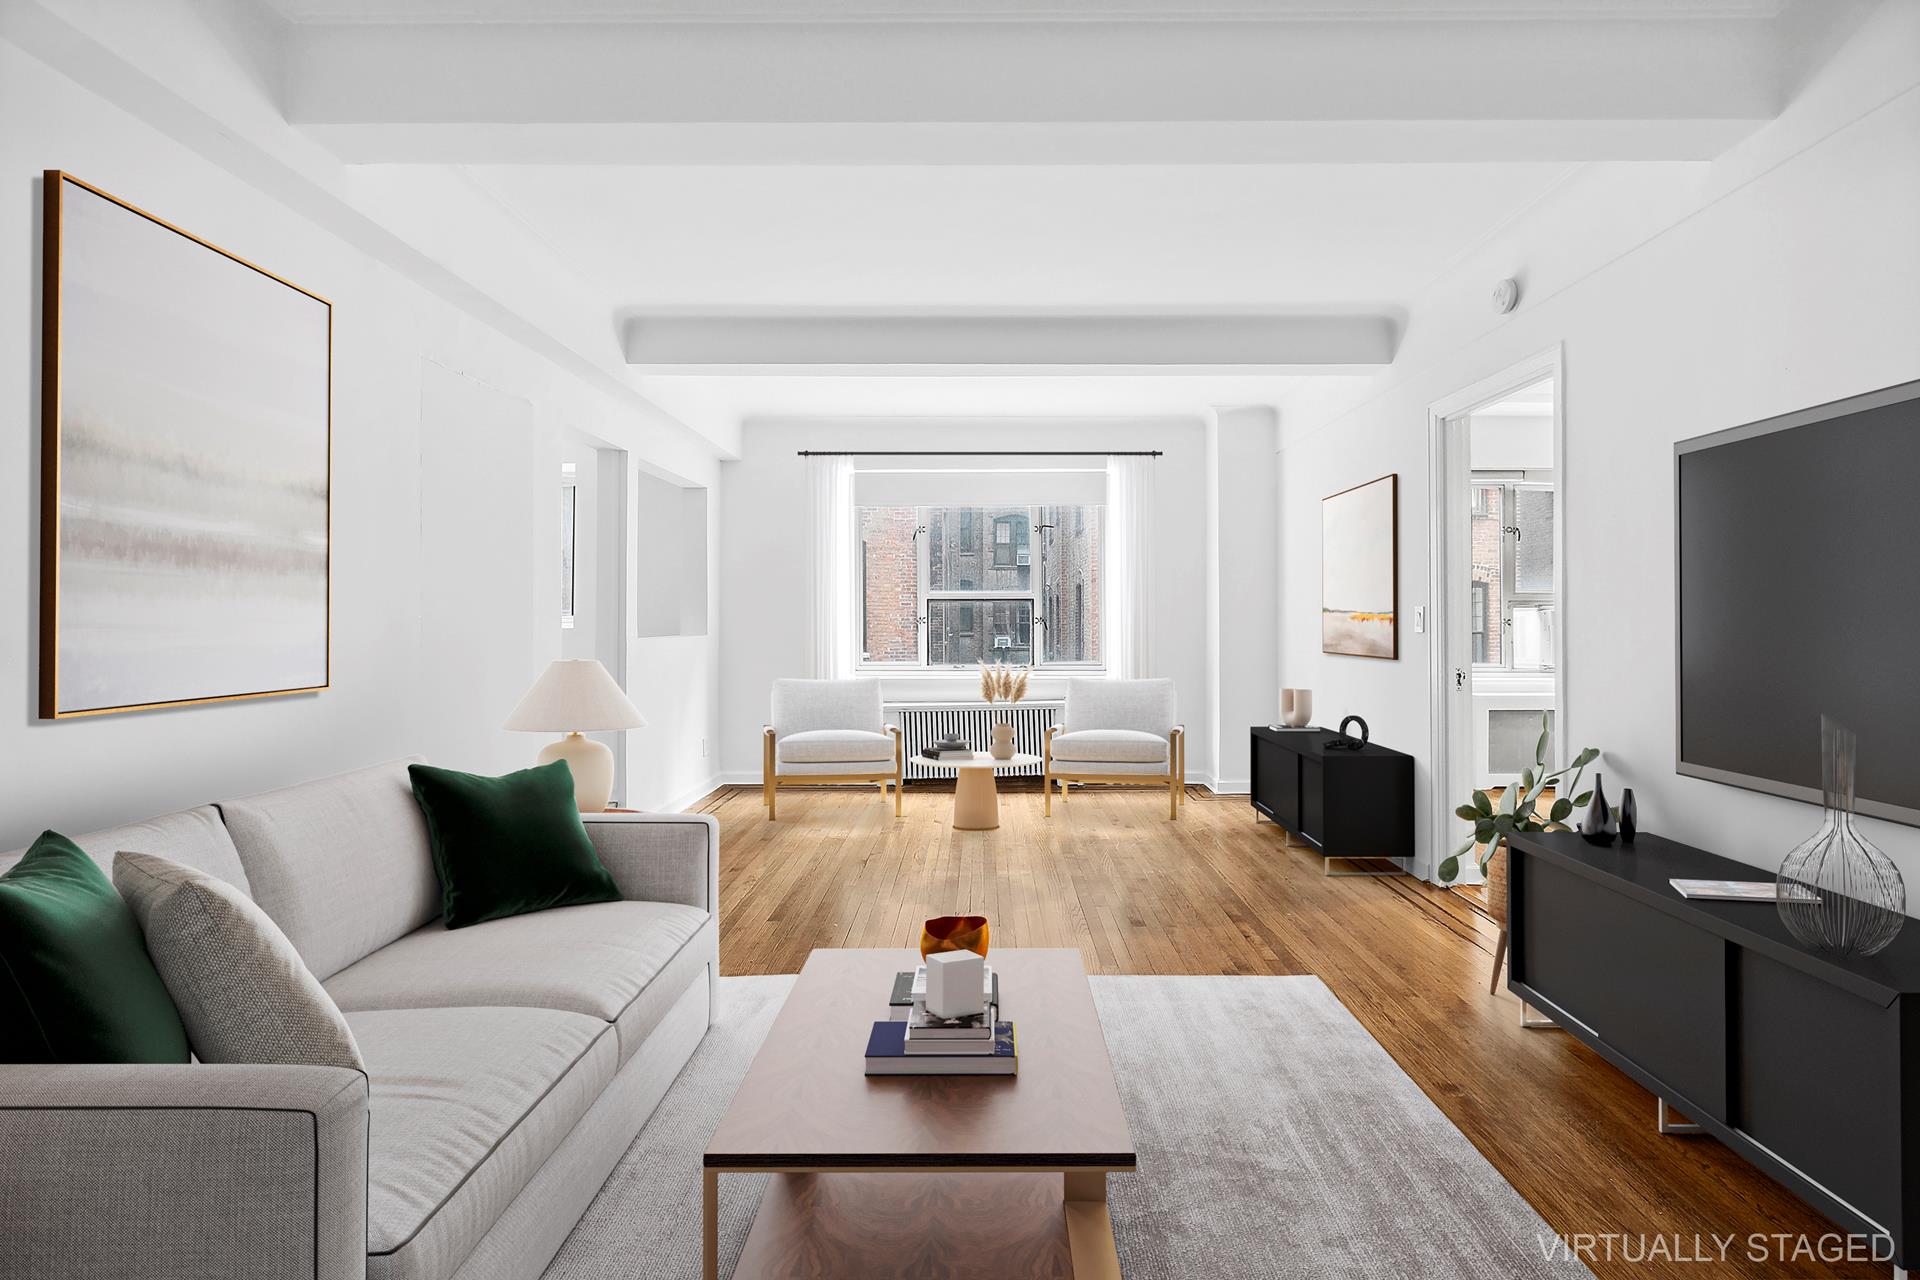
(1478, 617)
(1512, 556)
(933, 595)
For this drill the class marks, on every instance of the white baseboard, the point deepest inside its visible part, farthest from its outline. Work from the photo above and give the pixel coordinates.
(680, 804)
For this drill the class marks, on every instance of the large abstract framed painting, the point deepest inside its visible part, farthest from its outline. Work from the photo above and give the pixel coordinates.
(1360, 570)
(186, 467)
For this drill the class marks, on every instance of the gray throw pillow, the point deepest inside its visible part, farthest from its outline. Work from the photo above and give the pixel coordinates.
(242, 990)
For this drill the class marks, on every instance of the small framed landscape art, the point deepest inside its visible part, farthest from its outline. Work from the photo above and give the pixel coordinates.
(186, 467)
(1360, 570)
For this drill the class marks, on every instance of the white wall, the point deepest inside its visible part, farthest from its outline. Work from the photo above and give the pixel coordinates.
(442, 593)
(764, 543)
(1786, 277)
(1243, 587)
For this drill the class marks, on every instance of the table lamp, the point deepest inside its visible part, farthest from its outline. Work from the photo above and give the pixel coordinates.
(575, 696)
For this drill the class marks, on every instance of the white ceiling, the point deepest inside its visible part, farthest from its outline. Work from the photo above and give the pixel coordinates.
(1095, 161)
(801, 398)
(1001, 10)
(1213, 238)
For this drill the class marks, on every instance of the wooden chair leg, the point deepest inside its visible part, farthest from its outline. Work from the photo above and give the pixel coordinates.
(1173, 798)
(1046, 795)
(1499, 955)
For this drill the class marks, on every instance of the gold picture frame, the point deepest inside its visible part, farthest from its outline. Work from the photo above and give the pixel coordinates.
(186, 461)
(1360, 570)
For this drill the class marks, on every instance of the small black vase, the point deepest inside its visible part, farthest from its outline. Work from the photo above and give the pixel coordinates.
(1597, 826)
(1629, 816)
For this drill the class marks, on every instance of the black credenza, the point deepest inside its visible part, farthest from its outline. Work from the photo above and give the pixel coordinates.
(1795, 1059)
(1346, 804)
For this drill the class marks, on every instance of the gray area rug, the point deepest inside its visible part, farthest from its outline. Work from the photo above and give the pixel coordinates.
(1276, 1139)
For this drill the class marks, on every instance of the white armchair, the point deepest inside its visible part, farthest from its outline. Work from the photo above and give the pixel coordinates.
(829, 731)
(1119, 731)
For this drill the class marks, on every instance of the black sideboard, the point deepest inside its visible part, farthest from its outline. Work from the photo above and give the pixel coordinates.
(1345, 804)
(1798, 1060)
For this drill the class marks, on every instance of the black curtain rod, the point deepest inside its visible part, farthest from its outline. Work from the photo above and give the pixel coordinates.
(980, 453)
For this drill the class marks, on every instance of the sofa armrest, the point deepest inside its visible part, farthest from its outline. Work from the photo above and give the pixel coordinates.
(660, 857)
(189, 1170)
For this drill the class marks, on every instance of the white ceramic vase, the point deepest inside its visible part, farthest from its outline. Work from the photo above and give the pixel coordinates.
(1296, 708)
(1002, 748)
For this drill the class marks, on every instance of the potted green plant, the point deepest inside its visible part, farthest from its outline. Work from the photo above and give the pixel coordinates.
(1517, 810)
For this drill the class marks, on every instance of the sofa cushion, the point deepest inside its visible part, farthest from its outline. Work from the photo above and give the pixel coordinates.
(801, 706)
(594, 960)
(1110, 746)
(341, 864)
(836, 746)
(467, 1105)
(1144, 705)
(241, 989)
(194, 838)
(76, 984)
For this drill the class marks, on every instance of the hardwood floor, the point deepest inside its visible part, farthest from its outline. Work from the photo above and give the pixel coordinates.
(1217, 892)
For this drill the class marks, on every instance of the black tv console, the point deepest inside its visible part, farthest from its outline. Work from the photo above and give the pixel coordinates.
(1797, 1060)
(1345, 804)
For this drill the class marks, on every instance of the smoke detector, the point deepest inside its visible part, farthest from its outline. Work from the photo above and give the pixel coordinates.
(1505, 295)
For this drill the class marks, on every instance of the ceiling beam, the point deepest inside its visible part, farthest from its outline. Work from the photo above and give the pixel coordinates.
(1032, 92)
(1001, 345)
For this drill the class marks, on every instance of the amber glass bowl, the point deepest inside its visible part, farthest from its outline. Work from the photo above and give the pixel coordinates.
(953, 933)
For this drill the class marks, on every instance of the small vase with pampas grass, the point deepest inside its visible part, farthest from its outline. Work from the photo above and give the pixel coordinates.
(1002, 683)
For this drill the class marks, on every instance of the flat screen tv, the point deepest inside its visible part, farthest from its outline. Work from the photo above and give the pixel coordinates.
(1799, 595)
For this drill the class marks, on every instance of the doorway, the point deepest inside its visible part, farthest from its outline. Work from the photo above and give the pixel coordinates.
(1498, 586)
(592, 564)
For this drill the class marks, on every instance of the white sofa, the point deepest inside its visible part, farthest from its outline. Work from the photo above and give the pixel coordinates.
(509, 1064)
(829, 731)
(1117, 731)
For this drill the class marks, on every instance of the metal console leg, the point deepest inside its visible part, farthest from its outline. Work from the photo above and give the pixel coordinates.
(1534, 1024)
(1671, 1126)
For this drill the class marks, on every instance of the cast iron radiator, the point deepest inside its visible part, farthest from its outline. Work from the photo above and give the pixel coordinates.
(922, 723)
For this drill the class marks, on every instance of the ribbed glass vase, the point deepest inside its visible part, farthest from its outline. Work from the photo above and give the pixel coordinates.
(1837, 892)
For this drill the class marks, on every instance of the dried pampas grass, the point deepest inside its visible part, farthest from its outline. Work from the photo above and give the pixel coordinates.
(1001, 683)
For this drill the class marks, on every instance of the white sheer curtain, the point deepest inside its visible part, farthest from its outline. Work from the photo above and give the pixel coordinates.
(1129, 584)
(833, 570)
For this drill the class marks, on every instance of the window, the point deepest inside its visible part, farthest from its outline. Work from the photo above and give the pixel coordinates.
(1009, 541)
(1512, 554)
(1026, 591)
(1477, 616)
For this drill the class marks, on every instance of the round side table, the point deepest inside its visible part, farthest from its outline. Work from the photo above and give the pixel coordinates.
(976, 801)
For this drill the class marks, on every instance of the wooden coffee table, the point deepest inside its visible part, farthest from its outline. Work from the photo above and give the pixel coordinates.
(976, 801)
(925, 1175)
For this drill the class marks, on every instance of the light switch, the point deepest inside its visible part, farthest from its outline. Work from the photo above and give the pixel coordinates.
(1420, 619)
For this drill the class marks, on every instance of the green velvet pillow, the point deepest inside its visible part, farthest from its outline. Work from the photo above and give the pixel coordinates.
(76, 984)
(508, 845)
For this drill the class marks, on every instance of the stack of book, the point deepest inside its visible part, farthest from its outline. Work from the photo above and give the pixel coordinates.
(913, 1042)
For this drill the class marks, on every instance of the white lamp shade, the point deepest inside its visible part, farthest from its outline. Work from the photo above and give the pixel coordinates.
(575, 695)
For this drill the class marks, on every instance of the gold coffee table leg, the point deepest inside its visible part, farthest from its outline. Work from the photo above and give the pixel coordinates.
(1090, 1228)
(976, 801)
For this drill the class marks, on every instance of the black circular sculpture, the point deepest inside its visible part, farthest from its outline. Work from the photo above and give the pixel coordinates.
(1346, 741)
